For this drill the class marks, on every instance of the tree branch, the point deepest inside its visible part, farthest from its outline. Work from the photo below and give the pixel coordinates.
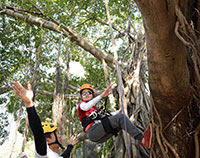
(114, 27)
(67, 32)
(121, 33)
(67, 96)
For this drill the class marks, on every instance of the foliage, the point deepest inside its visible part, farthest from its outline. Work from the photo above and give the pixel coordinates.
(21, 42)
(105, 150)
(4, 125)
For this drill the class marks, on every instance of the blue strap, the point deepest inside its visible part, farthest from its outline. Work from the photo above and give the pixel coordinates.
(120, 86)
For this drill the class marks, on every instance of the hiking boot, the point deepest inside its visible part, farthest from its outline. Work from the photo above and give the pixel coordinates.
(147, 137)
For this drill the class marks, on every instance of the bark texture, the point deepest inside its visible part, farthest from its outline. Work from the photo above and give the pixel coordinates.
(171, 75)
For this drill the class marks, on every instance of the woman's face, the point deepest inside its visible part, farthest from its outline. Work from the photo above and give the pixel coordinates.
(86, 95)
(52, 139)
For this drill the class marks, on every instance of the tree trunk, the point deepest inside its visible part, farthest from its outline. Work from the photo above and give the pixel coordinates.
(25, 134)
(16, 130)
(135, 91)
(59, 102)
(172, 76)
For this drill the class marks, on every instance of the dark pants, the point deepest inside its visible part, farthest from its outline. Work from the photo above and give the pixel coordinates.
(96, 132)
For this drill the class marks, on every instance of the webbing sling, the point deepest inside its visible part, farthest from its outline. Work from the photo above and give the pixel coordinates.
(107, 126)
(106, 122)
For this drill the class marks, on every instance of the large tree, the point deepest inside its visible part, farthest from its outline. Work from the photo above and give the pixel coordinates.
(171, 34)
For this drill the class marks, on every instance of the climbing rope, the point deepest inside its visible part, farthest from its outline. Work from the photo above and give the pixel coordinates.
(120, 85)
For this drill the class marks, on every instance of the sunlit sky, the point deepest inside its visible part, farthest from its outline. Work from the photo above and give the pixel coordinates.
(76, 69)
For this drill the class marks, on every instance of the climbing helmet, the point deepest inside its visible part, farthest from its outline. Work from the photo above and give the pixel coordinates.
(49, 127)
(87, 86)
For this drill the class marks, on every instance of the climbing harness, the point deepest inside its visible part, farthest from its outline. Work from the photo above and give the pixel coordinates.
(103, 106)
(107, 126)
(99, 115)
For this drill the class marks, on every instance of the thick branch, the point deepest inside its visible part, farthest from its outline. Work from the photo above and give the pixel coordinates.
(67, 32)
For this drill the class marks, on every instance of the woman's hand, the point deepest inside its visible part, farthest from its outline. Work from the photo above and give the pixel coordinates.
(106, 92)
(25, 94)
(73, 140)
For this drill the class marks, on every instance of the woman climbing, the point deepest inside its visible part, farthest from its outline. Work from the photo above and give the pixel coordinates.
(98, 125)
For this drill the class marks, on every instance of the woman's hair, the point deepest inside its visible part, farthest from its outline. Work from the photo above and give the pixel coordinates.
(47, 135)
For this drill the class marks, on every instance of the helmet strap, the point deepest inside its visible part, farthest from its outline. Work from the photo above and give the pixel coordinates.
(56, 142)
